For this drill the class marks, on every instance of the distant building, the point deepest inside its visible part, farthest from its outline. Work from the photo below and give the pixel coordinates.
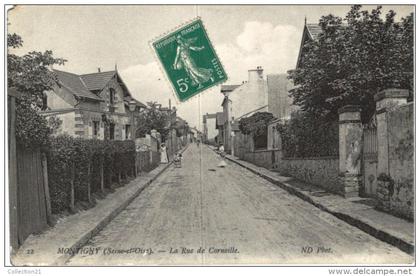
(258, 94)
(247, 97)
(220, 122)
(209, 128)
(280, 104)
(91, 105)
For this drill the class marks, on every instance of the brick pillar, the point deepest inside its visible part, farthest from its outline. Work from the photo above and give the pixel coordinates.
(386, 100)
(350, 144)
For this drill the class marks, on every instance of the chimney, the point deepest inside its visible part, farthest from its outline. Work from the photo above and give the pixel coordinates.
(99, 69)
(255, 74)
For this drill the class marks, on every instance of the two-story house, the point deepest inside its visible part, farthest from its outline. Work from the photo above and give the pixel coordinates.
(92, 105)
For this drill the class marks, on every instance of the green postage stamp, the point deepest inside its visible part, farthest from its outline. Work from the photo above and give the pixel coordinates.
(189, 60)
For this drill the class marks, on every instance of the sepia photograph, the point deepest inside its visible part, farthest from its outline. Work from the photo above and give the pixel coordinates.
(210, 135)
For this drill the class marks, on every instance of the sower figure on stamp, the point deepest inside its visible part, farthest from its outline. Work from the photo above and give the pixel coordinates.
(184, 60)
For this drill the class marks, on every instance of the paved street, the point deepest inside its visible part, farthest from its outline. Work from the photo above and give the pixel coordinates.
(236, 216)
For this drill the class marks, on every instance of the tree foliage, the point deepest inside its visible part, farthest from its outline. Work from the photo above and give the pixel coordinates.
(352, 59)
(152, 118)
(30, 75)
(256, 124)
(181, 128)
(305, 135)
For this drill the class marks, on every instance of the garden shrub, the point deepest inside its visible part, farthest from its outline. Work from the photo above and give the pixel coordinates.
(60, 163)
(82, 159)
(97, 160)
(306, 135)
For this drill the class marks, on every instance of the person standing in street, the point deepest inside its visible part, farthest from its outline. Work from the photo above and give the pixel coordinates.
(222, 152)
(163, 154)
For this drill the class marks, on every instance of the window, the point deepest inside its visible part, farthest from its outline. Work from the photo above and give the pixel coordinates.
(95, 128)
(111, 131)
(111, 96)
(127, 132)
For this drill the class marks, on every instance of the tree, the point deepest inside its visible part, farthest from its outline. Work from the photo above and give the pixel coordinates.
(181, 128)
(31, 76)
(256, 124)
(152, 118)
(351, 60)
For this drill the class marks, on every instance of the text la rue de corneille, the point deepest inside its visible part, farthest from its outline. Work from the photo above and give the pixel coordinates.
(145, 251)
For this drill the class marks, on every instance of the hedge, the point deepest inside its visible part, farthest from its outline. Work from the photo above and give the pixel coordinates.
(78, 168)
(306, 135)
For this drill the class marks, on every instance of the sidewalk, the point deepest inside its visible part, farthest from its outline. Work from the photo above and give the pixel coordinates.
(73, 232)
(358, 212)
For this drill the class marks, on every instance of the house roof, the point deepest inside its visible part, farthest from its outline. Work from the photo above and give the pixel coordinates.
(85, 85)
(228, 87)
(310, 32)
(75, 85)
(314, 30)
(97, 81)
(127, 100)
(250, 113)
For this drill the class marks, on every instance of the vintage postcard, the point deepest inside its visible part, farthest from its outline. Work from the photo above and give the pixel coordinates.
(211, 135)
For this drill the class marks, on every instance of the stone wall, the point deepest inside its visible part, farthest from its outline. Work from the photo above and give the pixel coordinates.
(263, 158)
(320, 171)
(396, 190)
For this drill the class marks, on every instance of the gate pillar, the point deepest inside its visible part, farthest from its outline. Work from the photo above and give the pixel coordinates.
(350, 145)
(386, 100)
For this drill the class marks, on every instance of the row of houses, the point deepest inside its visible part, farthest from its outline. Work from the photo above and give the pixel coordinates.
(257, 94)
(370, 160)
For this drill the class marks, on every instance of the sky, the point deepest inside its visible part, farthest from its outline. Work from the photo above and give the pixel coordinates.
(244, 37)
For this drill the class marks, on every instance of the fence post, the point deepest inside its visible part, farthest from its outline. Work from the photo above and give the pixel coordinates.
(385, 100)
(135, 163)
(151, 158)
(102, 177)
(47, 189)
(350, 150)
(119, 175)
(13, 192)
(72, 188)
(89, 182)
